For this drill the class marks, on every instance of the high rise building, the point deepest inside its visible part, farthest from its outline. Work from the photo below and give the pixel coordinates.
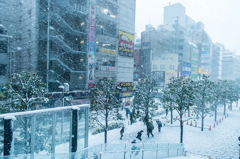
(154, 44)
(230, 65)
(216, 73)
(71, 41)
(205, 46)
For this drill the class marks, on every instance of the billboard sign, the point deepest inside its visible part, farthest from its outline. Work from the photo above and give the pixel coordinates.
(186, 69)
(91, 41)
(126, 86)
(126, 44)
(159, 77)
(126, 94)
(109, 51)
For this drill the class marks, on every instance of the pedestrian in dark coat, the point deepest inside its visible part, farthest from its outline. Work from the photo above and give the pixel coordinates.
(159, 123)
(121, 132)
(131, 119)
(150, 128)
(139, 135)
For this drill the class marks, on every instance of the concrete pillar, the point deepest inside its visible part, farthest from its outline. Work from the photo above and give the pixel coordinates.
(8, 135)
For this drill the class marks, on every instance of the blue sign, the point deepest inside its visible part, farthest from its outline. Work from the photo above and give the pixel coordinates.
(204, 52)
(186, 69)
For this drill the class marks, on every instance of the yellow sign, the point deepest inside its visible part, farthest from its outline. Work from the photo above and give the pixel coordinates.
(199, 70)
(125, 44)
(109, 51)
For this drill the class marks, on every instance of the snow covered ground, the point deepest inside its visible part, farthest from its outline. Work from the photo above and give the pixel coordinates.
(221, 141)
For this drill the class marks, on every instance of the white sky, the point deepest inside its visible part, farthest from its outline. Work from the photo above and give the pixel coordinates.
(221, 18)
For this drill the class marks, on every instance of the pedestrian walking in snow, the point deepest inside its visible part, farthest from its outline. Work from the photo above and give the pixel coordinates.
(134, 141)
(131, 119)
(159, 123)
(121, 132)
(150, 128)
(166, 111)
(139, 135)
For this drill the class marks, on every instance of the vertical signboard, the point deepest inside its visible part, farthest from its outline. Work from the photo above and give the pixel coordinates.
(126, 44)
(91, 41)
(186, 69)
(159, 77)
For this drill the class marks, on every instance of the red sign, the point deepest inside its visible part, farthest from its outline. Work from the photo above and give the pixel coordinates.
(91, 85)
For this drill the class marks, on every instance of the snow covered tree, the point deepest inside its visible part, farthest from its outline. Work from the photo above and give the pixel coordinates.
(144, 97)
(224, 95)
(23, 92)
(215, 97)
(181, 93)
(237, 86)
(232, 94)
(106, 104)
(203, 88)
(168, 101)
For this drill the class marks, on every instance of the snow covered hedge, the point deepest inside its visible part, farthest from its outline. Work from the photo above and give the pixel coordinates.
(111, 126)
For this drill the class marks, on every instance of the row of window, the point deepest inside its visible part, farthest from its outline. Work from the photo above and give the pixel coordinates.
(171, 67)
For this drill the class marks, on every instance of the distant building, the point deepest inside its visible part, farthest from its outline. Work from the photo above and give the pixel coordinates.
(205, 47)
(154, 44)
(230, 65)
(194, 57)
(5, 56)
(167, 63)
(216, 73)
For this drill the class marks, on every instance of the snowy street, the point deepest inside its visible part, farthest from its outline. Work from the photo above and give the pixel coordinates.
(220, 141)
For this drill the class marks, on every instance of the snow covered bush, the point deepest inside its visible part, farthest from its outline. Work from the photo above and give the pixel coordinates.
(24, 91)
(111, 126)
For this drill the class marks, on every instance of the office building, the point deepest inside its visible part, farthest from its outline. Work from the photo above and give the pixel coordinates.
(69, 41)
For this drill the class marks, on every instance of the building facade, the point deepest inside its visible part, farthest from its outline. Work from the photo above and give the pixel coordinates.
(230, 65)
(217, 61)
(71, 41)
(168, 63)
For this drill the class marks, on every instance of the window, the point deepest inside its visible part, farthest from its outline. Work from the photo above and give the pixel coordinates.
(180, 47)
(3, 69)
(154, 66)
(30, 12)
(162, 66)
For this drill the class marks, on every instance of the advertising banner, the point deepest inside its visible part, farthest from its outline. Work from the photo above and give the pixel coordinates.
(186, 69)
(126, 94)
(159, 77)
(91, 41)
(126, 86)
(126, 44)
(169, 76)
(109, 51)
(108, 68)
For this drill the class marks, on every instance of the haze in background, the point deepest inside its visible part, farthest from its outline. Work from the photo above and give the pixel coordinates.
(221, 18)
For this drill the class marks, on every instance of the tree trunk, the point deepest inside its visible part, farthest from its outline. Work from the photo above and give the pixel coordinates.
(181, 126)
(106, 127)
(231, 105)
(224, 113)
(202, 120)
(215, 113)
(171, 115)
(188, 111)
